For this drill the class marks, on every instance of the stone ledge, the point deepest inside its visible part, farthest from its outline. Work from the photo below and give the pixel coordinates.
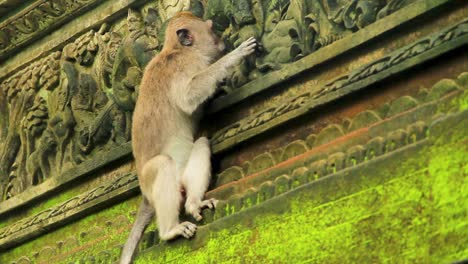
(350, 182)
(52, 184)
(35, 20)
(65, 212)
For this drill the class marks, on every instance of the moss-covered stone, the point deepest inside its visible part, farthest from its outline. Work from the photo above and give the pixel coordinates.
(417, 215)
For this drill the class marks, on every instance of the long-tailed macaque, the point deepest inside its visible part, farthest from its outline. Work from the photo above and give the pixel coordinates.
(169, 161)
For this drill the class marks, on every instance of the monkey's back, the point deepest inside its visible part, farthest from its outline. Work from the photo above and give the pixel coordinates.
(156, 119)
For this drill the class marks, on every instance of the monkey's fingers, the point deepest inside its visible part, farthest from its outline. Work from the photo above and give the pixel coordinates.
(251, 45)
(251, 42)
(246, 43)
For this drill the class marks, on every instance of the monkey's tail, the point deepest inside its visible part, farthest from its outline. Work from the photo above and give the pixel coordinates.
(144, 216)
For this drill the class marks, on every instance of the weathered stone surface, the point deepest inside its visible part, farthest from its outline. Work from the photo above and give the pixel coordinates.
(442, 88)
(328, 134)
(363, 119)
(293, 149)
(401, 105)
(229, 175)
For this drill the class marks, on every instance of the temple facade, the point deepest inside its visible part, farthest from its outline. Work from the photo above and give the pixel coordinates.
(343, 139)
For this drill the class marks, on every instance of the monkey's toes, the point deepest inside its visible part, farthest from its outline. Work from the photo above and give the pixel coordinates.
(197, 216)
(210, 203)
(188, 229)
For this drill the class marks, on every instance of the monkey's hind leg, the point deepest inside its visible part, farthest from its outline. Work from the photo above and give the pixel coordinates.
(165, 195)
(196, 178)
(145, 213)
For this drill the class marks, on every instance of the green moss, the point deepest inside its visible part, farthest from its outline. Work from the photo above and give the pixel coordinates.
(456, 104)
(417, 217)
(110, 237)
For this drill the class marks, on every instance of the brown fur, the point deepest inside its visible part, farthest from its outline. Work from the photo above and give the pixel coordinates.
(156, 117)
(168, 158)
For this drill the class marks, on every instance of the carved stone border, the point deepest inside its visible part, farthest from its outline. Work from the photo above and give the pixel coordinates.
(302, 105)
(409, 56)
(67, 211)
(51, 184)
(323, 55)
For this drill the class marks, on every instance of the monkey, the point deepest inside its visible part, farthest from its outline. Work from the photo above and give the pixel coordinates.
(169, 161)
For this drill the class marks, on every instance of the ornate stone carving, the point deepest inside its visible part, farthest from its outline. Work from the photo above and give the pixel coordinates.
(288, 30)
(299, 105)
(72, 104)
(67, 206)
(35, 20)
(27, 116)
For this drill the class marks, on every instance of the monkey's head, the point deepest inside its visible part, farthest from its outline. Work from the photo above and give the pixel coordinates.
(186, 31)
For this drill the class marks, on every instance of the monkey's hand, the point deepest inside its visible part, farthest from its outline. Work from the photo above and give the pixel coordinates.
(245, 49)
(194, 208)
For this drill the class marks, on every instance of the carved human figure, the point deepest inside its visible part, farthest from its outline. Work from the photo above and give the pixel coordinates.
(38, 163)
(137, 48)
(61, 121)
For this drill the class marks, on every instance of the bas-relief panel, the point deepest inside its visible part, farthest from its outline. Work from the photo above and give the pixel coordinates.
(77, 102)
(64, 108)
(36, 19)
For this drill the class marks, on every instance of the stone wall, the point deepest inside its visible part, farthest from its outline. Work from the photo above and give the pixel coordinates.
(343, 139)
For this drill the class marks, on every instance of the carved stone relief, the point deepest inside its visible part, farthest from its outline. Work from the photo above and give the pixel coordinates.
(74, 103)
(288, 30)
(36, 19)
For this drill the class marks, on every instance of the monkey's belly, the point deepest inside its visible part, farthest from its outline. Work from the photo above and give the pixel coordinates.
(179, 149)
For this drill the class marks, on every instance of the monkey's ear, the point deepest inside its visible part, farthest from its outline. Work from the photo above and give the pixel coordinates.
(184, 36)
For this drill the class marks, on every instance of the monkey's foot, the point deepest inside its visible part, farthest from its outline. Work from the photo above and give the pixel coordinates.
(194, 208)
(185, 229)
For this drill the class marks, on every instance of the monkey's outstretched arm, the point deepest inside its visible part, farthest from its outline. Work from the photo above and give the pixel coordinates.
(203, 84)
